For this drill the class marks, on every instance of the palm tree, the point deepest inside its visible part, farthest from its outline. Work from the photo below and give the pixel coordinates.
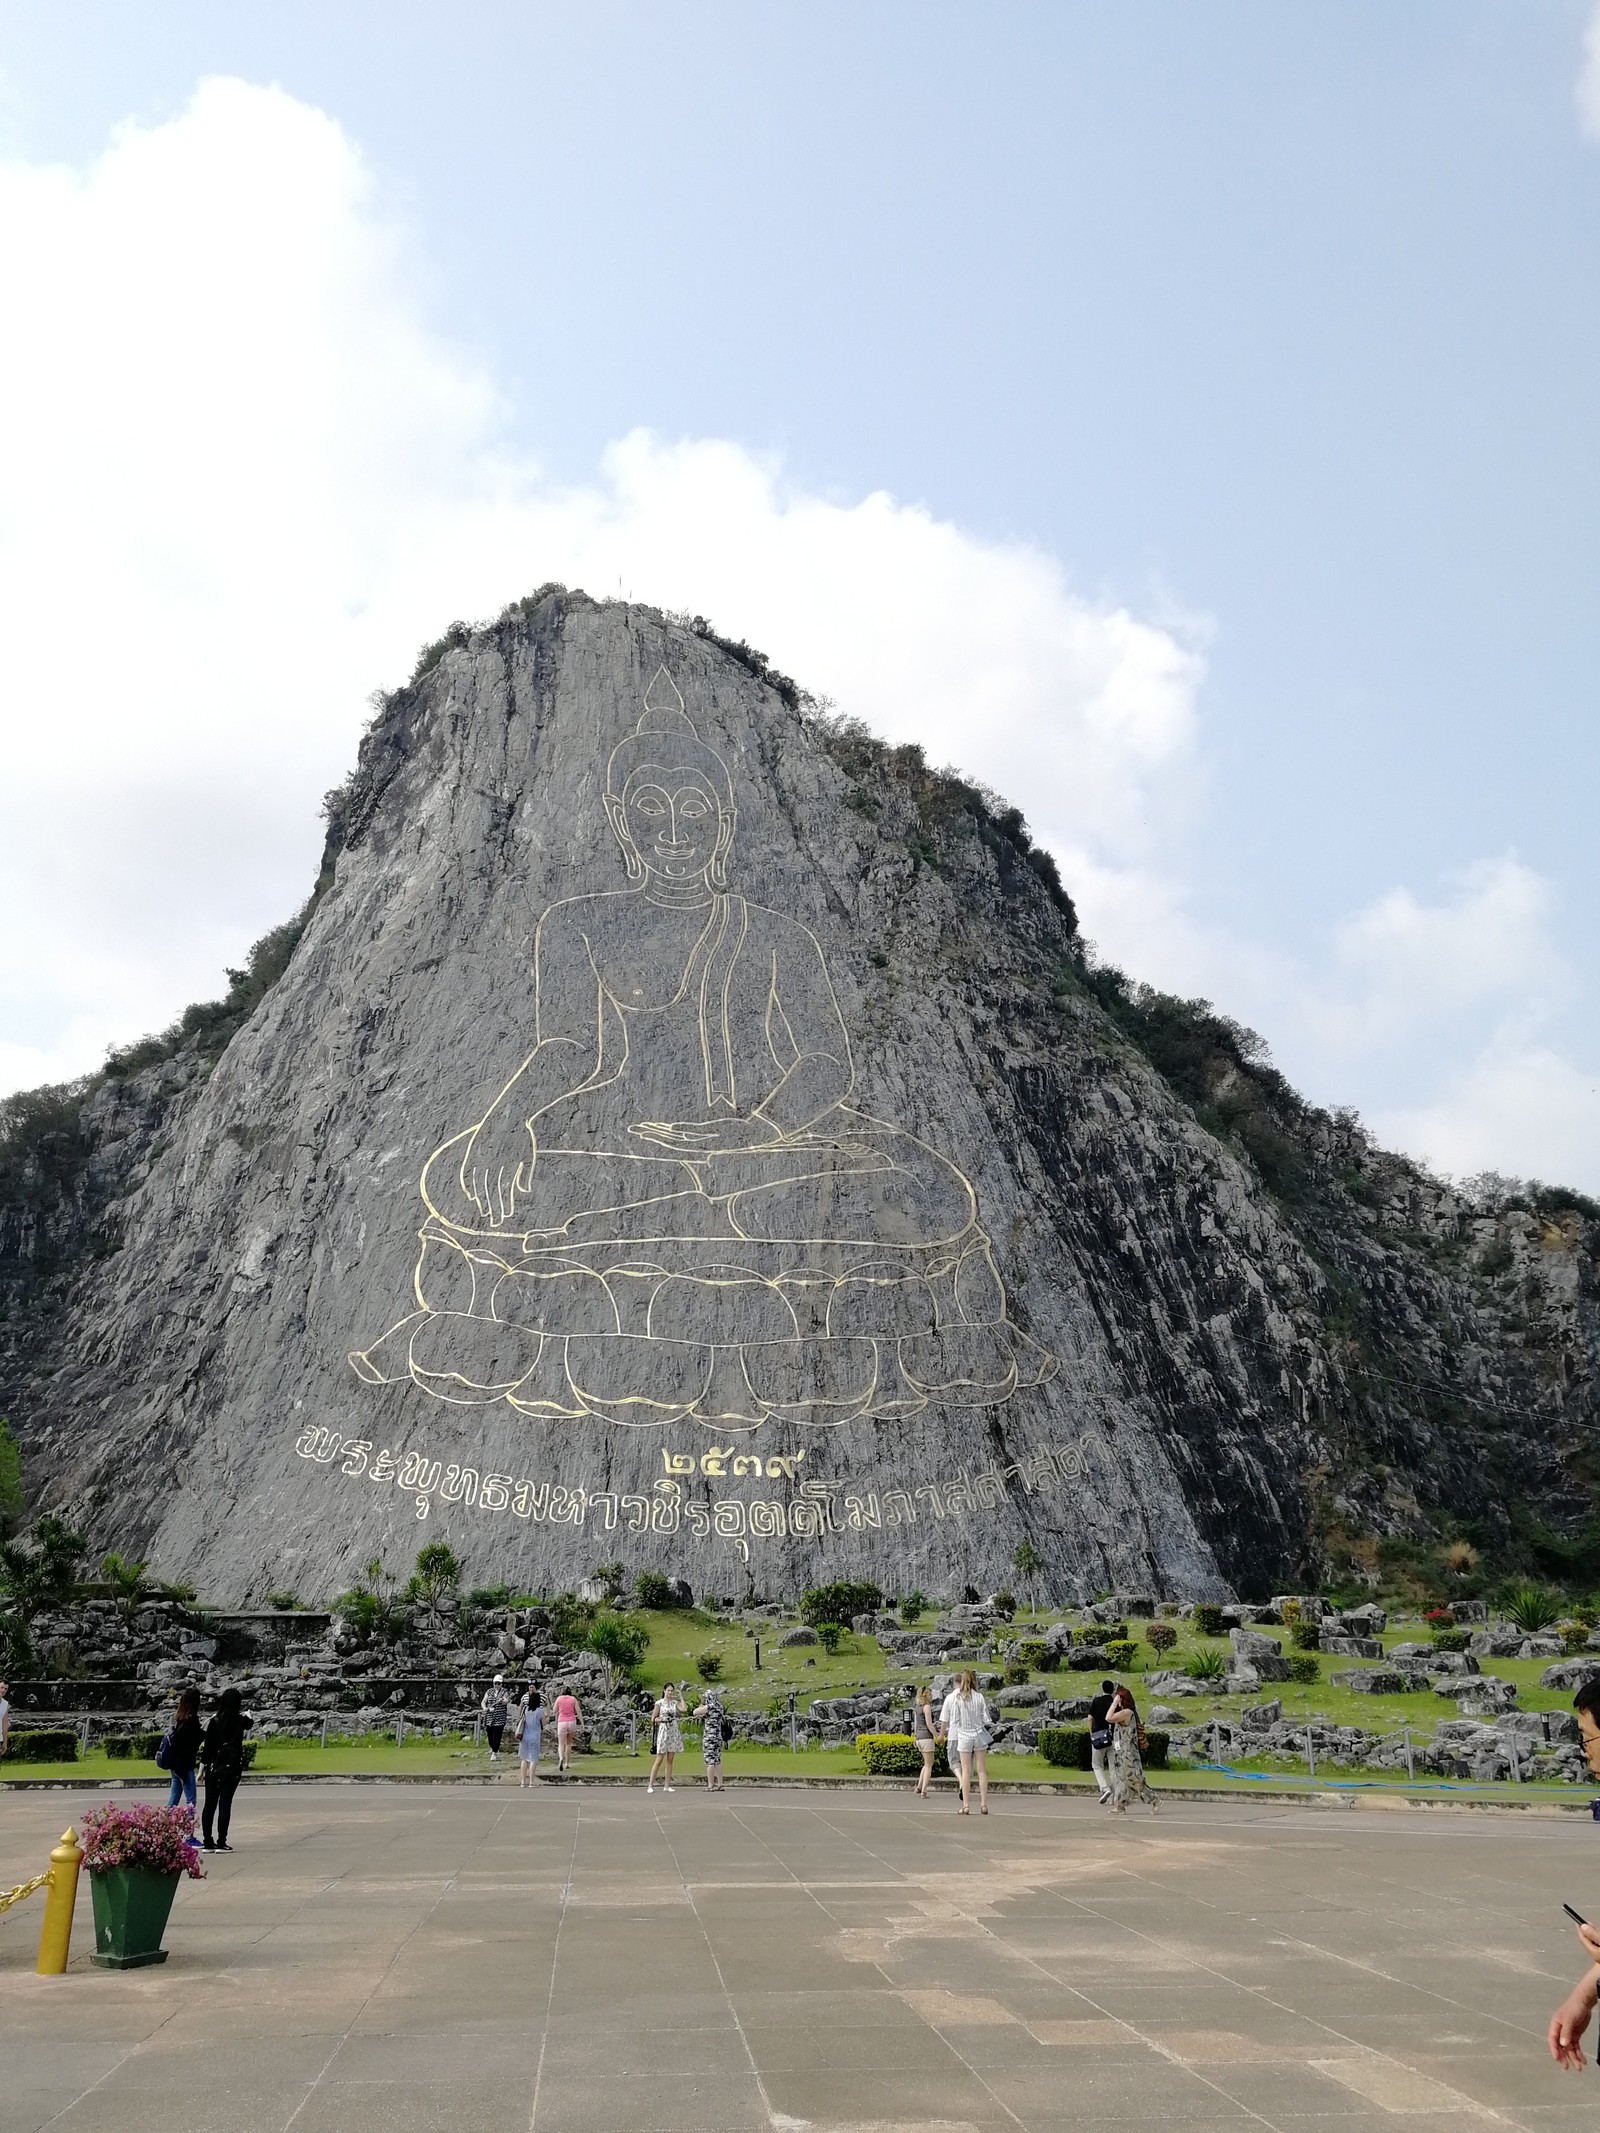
(1027, 1562)
(127, 1579)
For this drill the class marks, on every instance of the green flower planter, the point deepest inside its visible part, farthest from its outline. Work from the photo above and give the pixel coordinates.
(131, 1906)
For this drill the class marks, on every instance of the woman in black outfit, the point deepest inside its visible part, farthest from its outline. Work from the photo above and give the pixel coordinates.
(222, 1757)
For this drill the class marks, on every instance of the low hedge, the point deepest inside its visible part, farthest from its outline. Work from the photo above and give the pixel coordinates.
(141, 1748)
(1068, 1747)
(57, 1744)
(889, 1754)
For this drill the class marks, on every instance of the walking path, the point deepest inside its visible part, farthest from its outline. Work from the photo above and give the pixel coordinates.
(594, 1961)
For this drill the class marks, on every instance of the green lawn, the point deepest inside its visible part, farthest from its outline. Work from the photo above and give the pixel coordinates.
(678, 1639)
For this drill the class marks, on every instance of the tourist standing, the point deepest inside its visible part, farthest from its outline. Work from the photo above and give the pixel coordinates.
(494, 1708)
(530, 1735)
(714, 1729)
(5, 1717)
(180, 1748)
(569, 1717)
(1100, 1740)
(965, 1721)
(925, 1732)
(222, 1759)
(1128, 1781)
(1576, 2011)
(667, 1735)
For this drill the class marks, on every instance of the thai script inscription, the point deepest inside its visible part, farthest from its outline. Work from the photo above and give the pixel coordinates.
(817, 1507)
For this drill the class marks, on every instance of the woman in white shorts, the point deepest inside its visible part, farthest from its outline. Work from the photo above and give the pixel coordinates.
(964, 1721)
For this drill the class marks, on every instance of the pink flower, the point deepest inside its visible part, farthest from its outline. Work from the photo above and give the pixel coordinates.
(155, 1838)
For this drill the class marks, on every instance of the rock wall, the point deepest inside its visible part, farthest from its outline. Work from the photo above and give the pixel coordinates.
(851, 1236)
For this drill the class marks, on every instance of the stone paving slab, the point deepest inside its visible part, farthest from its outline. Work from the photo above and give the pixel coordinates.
(575, 1959)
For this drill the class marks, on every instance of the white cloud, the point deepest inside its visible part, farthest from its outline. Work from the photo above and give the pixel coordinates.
(1518, 1107)
(246, 477)
(1588, 84)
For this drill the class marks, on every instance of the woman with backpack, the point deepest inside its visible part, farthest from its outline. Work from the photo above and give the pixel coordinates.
(222, 1759)
(1128, 1781)
(965, 1721)
(179, 1748)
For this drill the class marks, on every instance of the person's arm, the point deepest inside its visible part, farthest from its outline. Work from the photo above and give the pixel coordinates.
(1576, 2011)
(1571, 2019)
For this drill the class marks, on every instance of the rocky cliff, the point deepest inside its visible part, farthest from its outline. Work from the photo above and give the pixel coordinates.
(682, 1130)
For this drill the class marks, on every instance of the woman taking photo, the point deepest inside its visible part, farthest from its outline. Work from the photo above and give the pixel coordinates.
(665, 1721)
(1128, 1781)
(927, 1736)
(965, 1722)
(222, 1759)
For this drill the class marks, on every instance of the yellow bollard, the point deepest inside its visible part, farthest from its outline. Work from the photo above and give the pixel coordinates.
(55, 1935)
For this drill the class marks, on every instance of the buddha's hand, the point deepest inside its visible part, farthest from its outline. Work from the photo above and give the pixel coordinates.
(709, 1136)
(498, 1165)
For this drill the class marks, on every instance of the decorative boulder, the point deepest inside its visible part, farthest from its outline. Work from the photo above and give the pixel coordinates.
(800, 1635)
(1476, 1694)
(1251, 1644)
(1172, 1683)
(1570, 1673)
(1370, 1681)
(1367, 1621)
(1468, 1611)
(1343, 1647)
(1495, 1643)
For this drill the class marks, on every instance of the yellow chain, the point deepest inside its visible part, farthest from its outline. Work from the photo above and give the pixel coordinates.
(23, 1888)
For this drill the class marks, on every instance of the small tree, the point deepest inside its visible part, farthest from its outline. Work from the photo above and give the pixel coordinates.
(369, 1607)
(127, 1581)
(837, 1603)
(612, 1580)
(1027, 1562)
(1160, 1636)
(653, 1588)
(709, 1666)
(829, 1635)
(41, 1571)
(437, 1572)
(913, 1607)
(619, 1645)
(10, 1479)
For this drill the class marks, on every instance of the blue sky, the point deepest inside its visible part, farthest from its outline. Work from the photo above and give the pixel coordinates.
(1269, 331)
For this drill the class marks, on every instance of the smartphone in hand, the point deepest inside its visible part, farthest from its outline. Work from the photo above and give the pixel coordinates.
(1577, 1917)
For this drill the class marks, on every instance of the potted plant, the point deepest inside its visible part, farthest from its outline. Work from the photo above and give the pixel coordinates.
(136, 1856)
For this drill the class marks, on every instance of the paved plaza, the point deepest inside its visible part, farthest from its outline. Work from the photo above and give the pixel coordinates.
(585, 1959)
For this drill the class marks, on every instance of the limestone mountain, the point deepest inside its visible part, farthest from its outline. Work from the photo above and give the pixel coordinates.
(682, 1130)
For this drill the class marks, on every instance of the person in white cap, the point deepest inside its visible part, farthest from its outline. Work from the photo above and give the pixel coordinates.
(495, 1706)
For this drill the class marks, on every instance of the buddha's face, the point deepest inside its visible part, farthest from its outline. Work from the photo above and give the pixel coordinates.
(674, 821)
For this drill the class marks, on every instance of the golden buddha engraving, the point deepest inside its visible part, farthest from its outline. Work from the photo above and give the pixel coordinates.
(672, 1210)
